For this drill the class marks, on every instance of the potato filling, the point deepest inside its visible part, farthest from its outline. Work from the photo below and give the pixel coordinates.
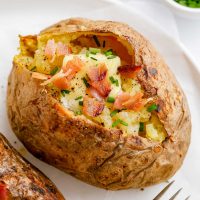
(95, 83)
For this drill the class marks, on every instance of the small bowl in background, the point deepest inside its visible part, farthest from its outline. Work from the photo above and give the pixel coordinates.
(183, 11)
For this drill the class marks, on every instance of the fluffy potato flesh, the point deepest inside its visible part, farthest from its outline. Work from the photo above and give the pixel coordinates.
(113, 54)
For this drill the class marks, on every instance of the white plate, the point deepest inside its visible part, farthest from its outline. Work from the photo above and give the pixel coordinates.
(24, 17)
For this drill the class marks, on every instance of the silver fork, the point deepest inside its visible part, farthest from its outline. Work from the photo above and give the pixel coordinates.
(162, 192)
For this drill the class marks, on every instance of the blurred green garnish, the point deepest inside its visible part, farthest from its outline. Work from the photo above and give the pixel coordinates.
(189, 3)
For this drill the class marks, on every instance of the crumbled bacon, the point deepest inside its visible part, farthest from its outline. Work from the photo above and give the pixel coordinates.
(40, 76)
(129, 71)
(63, 77)
(99, 81)
(126, 101)
(57, 76)
(50, 49)
(72, 67)
(62, 49)
(97, 73)
(92, 107)
(61, 83)
(53, 50)
(92, 92)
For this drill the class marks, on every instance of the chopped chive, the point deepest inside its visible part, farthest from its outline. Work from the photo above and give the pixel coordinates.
(109, 52)
(123, 123)
(54, 71)
(80, 103)
(96, 40)
(104, 44)
(78, 112)
(111, 99)
(93, 58)
(119, 121)
(80, 97)
(33, 69)
(87, 53)
(114, 112)
(94, 50)
(111, 57)
(152, 107)
(141, 129)
(114, 81)
(85, 82)
(115, 123)
(63, 92)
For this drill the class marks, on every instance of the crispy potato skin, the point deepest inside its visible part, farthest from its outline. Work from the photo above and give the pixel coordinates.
(90, 152)
(22, 179)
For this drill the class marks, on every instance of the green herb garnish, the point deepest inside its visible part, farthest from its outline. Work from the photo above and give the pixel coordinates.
(119, 121)
(141, 129)
(152, 107)
(111, 99)
(111, 57)
(96, 40)
(109, 52)
(85, 82)
(123, 123)
(80, 103)
(54, 71)
(64, 92)
(78, 112)
(33, 69)
(114, 81)
(80, 97)
(93, 58)
(87, 54)
(94, 50)
(114, 112)
(189, 3)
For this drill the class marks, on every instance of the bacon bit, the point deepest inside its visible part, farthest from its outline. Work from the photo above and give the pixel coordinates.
(129, 71)
(4, 195)
(61, 83)
(72, 67)
(59, 75)
(122, 97)
(52, 50)
(126, 101)
(103, 87)
(40, 76)
(62, 78)
(99, 81)
(62, 49)
(92, 107)
(98, 73)
(92, 92)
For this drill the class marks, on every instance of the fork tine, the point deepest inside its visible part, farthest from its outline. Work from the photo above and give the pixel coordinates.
(187, 197)
(163, 191)
(174, 196)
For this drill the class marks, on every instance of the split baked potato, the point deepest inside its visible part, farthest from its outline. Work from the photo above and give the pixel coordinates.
(21, 180)
(96, 100)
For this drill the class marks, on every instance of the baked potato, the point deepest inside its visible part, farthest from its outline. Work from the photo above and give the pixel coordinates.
(96, 100)
(21, 180)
